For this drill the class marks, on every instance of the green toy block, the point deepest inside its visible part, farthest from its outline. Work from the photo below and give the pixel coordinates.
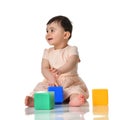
(43, 100)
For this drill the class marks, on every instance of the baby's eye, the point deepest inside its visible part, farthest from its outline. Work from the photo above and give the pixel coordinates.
(51, 30)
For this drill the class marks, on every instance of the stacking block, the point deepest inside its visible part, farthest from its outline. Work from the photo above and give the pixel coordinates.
(58, 92)
(44, 100)
(100, 97)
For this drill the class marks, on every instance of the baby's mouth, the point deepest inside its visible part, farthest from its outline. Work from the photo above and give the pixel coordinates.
(49, 39)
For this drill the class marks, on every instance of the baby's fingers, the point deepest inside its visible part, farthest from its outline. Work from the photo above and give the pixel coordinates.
(53, 84)
(53, 70)
(56, 84)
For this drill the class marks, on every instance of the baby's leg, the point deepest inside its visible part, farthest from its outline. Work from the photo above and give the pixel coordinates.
(29, 101)
(77, 100)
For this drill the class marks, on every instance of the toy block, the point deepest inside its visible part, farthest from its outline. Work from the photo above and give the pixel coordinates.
(43, 100)
(59, 97)
(100, 97)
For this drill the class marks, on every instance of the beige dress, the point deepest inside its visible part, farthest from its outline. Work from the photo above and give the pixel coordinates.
(70, 81)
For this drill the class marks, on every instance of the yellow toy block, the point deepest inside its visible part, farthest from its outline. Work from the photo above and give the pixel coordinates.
(100, 97)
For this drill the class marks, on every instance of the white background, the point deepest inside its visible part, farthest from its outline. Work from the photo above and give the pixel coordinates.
(96, 32)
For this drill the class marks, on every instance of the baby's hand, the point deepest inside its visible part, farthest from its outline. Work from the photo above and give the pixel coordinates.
(53, 83)
(55, 72)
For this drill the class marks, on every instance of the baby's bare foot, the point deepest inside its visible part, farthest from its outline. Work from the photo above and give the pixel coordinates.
(77, 100)
(29, 101)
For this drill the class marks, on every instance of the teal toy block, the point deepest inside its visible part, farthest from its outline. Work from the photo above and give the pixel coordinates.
(58, 90)
(44, 100)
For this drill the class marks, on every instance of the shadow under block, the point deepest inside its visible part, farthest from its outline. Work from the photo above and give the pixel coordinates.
(43, 100)
(58, 91)
(100, 97)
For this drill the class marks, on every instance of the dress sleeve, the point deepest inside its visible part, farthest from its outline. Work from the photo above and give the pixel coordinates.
(45, 54)
(74, 51)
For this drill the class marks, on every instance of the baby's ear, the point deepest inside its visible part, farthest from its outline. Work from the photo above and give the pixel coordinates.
(66, 35)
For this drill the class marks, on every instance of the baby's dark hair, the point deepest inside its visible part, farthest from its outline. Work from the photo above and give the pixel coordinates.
(64, 22)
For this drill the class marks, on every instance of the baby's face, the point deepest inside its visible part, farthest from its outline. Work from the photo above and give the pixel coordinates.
(55, 34)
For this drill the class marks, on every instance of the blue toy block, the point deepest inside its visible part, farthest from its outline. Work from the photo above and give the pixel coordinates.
(44, 100)
(58, 93)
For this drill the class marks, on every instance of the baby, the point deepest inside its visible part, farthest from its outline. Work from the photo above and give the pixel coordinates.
(59, 64)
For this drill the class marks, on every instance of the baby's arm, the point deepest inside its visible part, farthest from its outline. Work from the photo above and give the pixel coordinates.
(68, 66)
(45, 69)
